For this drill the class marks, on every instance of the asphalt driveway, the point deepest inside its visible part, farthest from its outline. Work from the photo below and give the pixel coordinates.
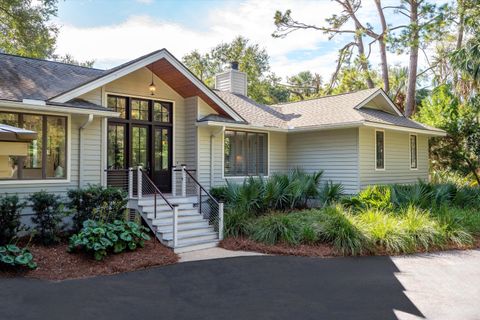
(261, 287)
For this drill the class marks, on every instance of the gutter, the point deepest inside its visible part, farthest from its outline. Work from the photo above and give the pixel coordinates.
(212, 136)
(80, 148)
(43, 107)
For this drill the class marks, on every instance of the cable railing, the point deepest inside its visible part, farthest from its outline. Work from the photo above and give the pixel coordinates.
(207, 205)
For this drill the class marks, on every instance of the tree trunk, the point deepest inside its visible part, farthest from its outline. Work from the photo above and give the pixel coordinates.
(363, 60)
(383, 47)
(412, 68)
(461, 26)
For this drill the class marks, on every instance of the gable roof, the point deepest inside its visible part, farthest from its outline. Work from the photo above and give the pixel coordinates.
(337, 110)
(60, 83)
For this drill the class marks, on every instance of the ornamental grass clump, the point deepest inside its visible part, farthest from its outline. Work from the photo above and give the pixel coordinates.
(273, 229)
(341, 229)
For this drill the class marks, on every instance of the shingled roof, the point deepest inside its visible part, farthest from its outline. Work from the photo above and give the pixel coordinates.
(338, 110)
(28, 78)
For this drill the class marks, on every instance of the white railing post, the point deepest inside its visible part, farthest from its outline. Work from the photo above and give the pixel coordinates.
(139, 183)
(220, 220)
(174, 181)
(184, 180)
(175, 225)
(130, 183)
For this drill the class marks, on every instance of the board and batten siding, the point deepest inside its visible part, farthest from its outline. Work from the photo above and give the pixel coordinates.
(397, 158)
(333, 151)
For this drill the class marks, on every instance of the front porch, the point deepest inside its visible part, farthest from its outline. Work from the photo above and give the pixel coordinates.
(186, 219)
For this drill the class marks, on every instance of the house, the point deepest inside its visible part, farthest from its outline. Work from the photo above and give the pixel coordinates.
(181, 137)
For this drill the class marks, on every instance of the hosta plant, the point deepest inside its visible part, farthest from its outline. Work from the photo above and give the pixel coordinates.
(100, 238)
(13, 256)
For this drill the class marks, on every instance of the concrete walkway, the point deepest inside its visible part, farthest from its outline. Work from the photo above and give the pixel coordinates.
(214, 253)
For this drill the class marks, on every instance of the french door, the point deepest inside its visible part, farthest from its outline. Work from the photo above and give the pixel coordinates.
(142, 137)
(162, 158)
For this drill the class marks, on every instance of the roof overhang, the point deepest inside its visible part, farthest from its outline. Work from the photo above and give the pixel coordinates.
(345, 125)
(14, 134)
(56, 108)
(159, 62)
(433, 133)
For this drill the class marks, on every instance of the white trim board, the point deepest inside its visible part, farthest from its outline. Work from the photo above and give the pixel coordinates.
(162, 54)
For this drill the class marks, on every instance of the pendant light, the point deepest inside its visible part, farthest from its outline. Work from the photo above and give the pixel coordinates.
(152, 86)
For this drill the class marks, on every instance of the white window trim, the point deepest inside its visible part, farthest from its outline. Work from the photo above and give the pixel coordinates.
(384, 150)
(410, 151)
(224, 177)
(69, 151)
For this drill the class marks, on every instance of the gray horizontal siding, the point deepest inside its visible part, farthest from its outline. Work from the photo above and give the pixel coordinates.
(397, 158)
(333, 151)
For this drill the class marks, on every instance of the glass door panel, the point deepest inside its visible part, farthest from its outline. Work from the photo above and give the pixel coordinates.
(162, 158)
(140, 147)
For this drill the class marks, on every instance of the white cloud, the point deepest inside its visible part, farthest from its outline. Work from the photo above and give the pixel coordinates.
(111, 45)
(145, 1)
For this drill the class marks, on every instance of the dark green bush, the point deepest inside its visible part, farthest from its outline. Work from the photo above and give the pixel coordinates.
(13, 256)
(100, 238)
(49, 212)
(96, 203)
(279, 192)
(236, 223)
(339, 229)
(10, 208)
(273, 229)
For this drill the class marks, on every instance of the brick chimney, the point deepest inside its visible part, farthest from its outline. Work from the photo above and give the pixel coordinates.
(233, 80)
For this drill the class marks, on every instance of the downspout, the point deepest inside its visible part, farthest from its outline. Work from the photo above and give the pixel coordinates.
(80, 148)
(212, 167)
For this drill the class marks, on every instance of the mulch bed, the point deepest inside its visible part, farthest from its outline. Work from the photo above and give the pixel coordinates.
(55, 263)
(317, 250)
(245, 244)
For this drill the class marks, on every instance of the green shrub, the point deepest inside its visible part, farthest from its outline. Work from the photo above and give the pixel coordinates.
(48, 212)
(339, 229)
(422, 230)
(331, 193)
(456, 224)
(10, 208)
(384, 231)
(13, 256)
(376, 197)
(236, 223)
(100, 238)
(273, 229)
(279, 192)
(86, 202)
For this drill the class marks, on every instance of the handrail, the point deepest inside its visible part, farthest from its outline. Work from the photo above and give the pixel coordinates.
(200, 186)
(156, 189)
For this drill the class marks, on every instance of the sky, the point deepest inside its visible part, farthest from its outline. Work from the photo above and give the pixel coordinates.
(114, 31)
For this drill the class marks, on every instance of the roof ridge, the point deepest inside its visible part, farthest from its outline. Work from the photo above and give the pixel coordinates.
(49, 61)
(327, 96)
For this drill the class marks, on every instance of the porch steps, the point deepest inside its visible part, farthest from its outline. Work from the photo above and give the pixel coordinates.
(193, 231)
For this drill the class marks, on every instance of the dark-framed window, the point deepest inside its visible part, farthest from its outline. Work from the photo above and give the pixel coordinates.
(413, 152)
(379, 150)
(245, 153)
(141, 115)
(47, 155)
(116, 158)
